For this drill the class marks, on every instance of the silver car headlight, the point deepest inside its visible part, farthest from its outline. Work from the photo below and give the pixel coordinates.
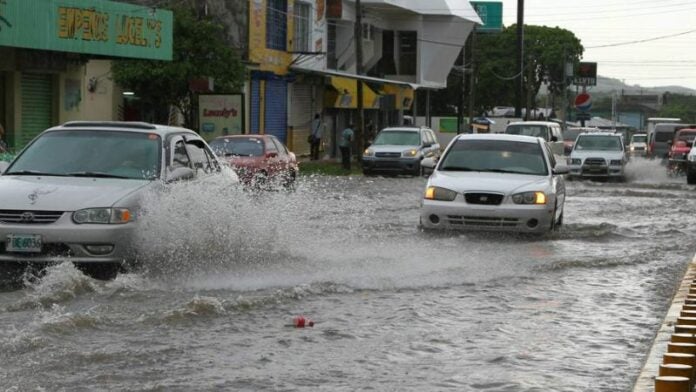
(442, 194)
(529, 198)
(369, 152)
(410, 153)
(615, 162)
(102, 215)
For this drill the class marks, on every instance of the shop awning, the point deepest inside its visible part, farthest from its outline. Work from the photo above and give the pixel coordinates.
(403, 95)
(347, 90)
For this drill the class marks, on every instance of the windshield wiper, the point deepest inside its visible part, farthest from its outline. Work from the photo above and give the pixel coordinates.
(457, 168)
(95, 174)
(32, 173)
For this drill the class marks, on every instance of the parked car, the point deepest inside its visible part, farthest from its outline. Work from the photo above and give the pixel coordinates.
(548, 130)
(494, 182)
(399, 150)
(679, 149)
(571, 133)
(638, 145)
(73, 194)
(599, 154)
(259, 160)
(659, 138)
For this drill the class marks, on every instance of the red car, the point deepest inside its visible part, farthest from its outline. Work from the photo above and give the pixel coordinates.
(259, 160)
(679, 149)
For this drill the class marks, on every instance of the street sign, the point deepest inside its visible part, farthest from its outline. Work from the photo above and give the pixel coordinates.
(586, 74)
(491, 13)
(583, 102)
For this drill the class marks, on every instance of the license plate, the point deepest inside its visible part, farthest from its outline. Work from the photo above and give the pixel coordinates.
(23, 243)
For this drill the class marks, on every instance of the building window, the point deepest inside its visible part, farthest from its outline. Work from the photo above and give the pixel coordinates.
(302, 27)
(331, 60)
(276, 24)
(408, 48)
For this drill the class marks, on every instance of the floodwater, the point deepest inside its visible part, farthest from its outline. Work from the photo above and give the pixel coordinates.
(394, 309)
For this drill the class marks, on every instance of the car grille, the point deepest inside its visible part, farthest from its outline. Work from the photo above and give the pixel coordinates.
(55, 249)
(483, 198)
(482, 221)
(388, 154)
(639, 148)
(29, 217)
(595, 161)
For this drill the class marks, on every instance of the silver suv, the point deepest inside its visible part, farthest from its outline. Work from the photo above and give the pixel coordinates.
(74, 193)
(399, 150)
(598, 154)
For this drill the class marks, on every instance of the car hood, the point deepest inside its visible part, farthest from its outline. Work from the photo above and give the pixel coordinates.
(488, 182)
(63, 193)
(638, 144)
(597, 154)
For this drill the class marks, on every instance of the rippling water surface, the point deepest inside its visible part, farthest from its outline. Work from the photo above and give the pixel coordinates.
(395, 309)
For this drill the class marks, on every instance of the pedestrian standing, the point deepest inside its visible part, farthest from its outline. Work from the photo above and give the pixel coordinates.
(346, 141)
(316, 137)
(3, 144)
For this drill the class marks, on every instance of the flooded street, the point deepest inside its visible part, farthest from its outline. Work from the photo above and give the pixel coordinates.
(395, 309)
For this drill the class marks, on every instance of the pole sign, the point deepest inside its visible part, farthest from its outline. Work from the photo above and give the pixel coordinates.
(583, 102)
(586, 75)
(491, 13)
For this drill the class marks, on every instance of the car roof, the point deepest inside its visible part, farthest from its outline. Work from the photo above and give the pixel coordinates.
(404, 128)
(247, 136)
(125, 126)
(498, 136)
(602, 133)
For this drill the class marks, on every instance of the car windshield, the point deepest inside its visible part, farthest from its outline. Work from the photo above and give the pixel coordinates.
(244, 147)
(527, 130)
(92, 153)
(598, 143)
(398, 138)
(687, 137)
(571, 134)
(503, 156)
(639, 138)
(663, 136)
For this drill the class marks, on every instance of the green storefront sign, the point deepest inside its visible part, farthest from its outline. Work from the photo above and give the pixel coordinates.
(87, 26)
(491, 13)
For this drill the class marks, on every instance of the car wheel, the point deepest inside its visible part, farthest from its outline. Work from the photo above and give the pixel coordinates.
(690, 177)
(289, 178)
(100, 271)
(553, 219)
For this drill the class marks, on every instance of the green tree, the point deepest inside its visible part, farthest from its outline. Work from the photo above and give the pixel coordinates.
(199, 51)
(546, 50)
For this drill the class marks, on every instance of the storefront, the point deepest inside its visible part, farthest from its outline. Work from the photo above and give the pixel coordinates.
(48, 71)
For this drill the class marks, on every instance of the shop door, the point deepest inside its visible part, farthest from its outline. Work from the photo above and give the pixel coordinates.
(276, 111)
(37, 106)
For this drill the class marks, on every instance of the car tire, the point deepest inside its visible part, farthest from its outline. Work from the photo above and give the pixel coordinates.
(690, 177)
(289, 178)
(100, 271)
(553, 219)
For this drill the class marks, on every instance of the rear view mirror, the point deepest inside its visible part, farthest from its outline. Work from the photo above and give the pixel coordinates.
(554, 138)
(428, 163)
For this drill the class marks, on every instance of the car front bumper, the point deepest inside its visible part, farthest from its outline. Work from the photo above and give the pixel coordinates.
(64, 240)
(604, 171)
(393, 165)
(459, 215)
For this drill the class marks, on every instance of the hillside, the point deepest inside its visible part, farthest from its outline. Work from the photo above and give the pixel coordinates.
(609, 85)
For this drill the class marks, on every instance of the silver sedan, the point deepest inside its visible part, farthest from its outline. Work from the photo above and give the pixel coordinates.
(494, 182)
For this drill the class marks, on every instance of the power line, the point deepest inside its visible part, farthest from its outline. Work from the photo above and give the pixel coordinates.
(641, 41)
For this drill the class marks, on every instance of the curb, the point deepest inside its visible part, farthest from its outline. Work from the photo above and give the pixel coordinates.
(646, 380)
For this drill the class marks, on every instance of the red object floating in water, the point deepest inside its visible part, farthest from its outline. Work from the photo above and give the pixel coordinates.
(301, 322)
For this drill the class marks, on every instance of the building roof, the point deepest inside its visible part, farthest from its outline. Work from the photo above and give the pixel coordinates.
(457, 8)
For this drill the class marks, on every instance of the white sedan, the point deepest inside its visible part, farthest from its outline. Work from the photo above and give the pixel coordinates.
(494, 182)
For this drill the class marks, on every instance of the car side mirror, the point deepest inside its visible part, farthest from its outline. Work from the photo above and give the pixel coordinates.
(561, 169)
(3, 166)
(426, 145)
(428, 163)
(180, 173)
(554, 138)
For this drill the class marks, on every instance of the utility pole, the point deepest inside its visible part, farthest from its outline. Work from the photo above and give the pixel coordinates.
(359, 124)
(460, 106)
(520, 57)
(472, 75)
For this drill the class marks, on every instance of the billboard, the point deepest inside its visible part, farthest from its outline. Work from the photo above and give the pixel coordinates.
(586, 74)
(491, 13)
(220, 114)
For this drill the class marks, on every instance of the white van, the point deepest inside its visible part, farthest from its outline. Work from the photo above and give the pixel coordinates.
(547, 130)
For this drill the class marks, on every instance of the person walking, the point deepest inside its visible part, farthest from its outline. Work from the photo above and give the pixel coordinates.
(316, 138)
(346, 141)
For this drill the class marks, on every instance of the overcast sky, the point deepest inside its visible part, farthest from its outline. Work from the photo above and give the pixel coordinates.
(656, 62)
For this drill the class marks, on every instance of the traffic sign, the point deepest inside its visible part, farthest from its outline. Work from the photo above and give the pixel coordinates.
(583, 102)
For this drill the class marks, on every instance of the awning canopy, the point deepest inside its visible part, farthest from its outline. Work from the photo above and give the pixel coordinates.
(347, 94)
(349, 75)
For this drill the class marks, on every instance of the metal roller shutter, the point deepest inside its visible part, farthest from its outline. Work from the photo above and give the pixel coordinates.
(37, 106)
(255, 106)
(301, 106)
(275, 110)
